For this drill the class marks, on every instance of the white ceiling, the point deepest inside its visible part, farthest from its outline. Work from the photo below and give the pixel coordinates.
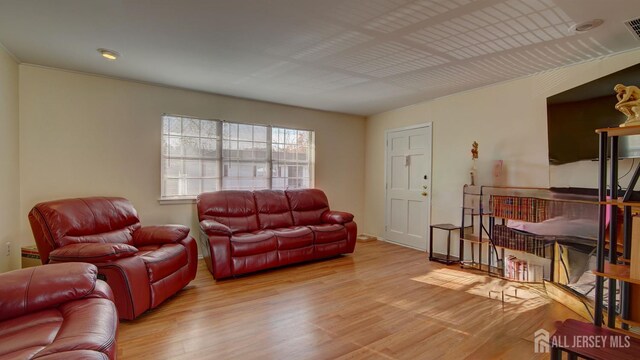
(352, 56)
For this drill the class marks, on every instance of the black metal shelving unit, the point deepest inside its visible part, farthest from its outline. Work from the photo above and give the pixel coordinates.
(485, 234)
(608, 197)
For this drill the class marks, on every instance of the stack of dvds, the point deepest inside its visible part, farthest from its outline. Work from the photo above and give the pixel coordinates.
(519, 208)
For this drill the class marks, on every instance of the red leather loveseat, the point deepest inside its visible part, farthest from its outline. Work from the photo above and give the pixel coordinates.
(59, 311)
(247, 231)
(143, 265)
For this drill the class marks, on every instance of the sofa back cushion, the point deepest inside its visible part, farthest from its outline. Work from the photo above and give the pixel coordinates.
(273, 209)
(37, 288)
(307, 205)
(233, 208)
(86, 220)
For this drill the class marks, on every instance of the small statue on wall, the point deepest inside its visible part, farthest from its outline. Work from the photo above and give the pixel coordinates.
(628, 103)
(474, 157)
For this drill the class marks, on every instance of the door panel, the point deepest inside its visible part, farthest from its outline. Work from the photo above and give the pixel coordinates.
(399, 143)
(417, 171)
(417, 141)
(397, 224)
(408, 175)
(415, 223)
(398, 175)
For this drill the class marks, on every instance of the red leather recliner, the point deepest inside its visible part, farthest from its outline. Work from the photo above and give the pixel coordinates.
(143, 265)
(59, 311)
(247, 231)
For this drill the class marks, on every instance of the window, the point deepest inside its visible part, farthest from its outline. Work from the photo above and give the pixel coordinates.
(190, 156)
(245, 160)
(291, 154)
(208, 155)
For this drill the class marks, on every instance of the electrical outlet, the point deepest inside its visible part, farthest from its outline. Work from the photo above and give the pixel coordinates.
(8, 248)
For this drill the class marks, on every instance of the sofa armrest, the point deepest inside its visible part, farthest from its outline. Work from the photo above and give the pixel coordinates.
(92, 252)
(336, 217)
(33, 289)
(212, 227)
(162, 234)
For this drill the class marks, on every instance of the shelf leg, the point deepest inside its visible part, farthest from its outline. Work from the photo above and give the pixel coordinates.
(448, 245)
(461, 243)
(503, 267)
(473, 253)
(491, 223)
(626, 252)
(602, 214)
(430, 243)
(480, 252)
(613, 230)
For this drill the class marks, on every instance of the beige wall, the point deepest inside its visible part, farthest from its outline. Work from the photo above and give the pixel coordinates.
(83, 135)
(9, 160)
(509, 122)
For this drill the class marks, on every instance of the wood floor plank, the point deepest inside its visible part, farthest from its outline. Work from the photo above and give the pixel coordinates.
(382, 302)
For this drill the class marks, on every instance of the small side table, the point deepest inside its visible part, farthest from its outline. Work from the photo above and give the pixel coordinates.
(442, 258)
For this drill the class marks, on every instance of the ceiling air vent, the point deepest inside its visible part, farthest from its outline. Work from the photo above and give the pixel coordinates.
(634, 26)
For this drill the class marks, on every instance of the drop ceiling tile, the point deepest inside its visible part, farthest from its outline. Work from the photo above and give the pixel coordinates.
(315, 53)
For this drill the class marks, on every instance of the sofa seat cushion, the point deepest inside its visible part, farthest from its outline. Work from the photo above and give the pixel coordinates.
(87, 324)
(29, 334)
(163, 260)
(76, 355)
(293, 237)
(328, 233)
(257, 242)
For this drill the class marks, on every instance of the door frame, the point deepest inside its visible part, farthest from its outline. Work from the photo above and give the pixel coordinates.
(429, 181)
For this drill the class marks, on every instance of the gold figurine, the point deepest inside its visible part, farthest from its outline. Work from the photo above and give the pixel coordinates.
(628, 103)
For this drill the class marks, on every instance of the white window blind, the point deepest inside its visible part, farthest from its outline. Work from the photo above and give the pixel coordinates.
(207, 155)
(190, 156)
(245, 161)
(291, 154)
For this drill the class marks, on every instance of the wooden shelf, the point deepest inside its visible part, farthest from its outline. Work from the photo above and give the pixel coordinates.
(571, 328)
(448, 227)
(620, 131)
(620, 203)
(476, 213)
(474, 239)
(444, 259)
(619, 247)
(618, 272)
(628, 322)
(519, 250)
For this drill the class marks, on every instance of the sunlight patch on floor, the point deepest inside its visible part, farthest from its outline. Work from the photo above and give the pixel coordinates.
(450, 279)
(525, 296)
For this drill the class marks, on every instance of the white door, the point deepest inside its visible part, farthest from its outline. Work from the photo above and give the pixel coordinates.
(408, 193)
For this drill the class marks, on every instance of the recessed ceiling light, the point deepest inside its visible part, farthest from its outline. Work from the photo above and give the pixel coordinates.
(586, 26)
(109, 54)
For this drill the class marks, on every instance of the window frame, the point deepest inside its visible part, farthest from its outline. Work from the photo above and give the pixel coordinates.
(220, 159)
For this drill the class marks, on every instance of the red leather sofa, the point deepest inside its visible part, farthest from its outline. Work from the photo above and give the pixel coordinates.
(143, 265)
(247, 231)
(59, 311)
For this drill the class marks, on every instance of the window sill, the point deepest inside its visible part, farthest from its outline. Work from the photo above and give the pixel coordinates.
(177, 201)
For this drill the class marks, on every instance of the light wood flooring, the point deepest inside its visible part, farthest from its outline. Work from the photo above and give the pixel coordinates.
(382, 302)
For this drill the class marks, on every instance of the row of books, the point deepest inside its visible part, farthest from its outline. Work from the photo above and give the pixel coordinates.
(521, 270)
(519, 208)
(518, 240)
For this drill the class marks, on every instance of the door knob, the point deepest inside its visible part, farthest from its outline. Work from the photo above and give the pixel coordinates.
(424, 193)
